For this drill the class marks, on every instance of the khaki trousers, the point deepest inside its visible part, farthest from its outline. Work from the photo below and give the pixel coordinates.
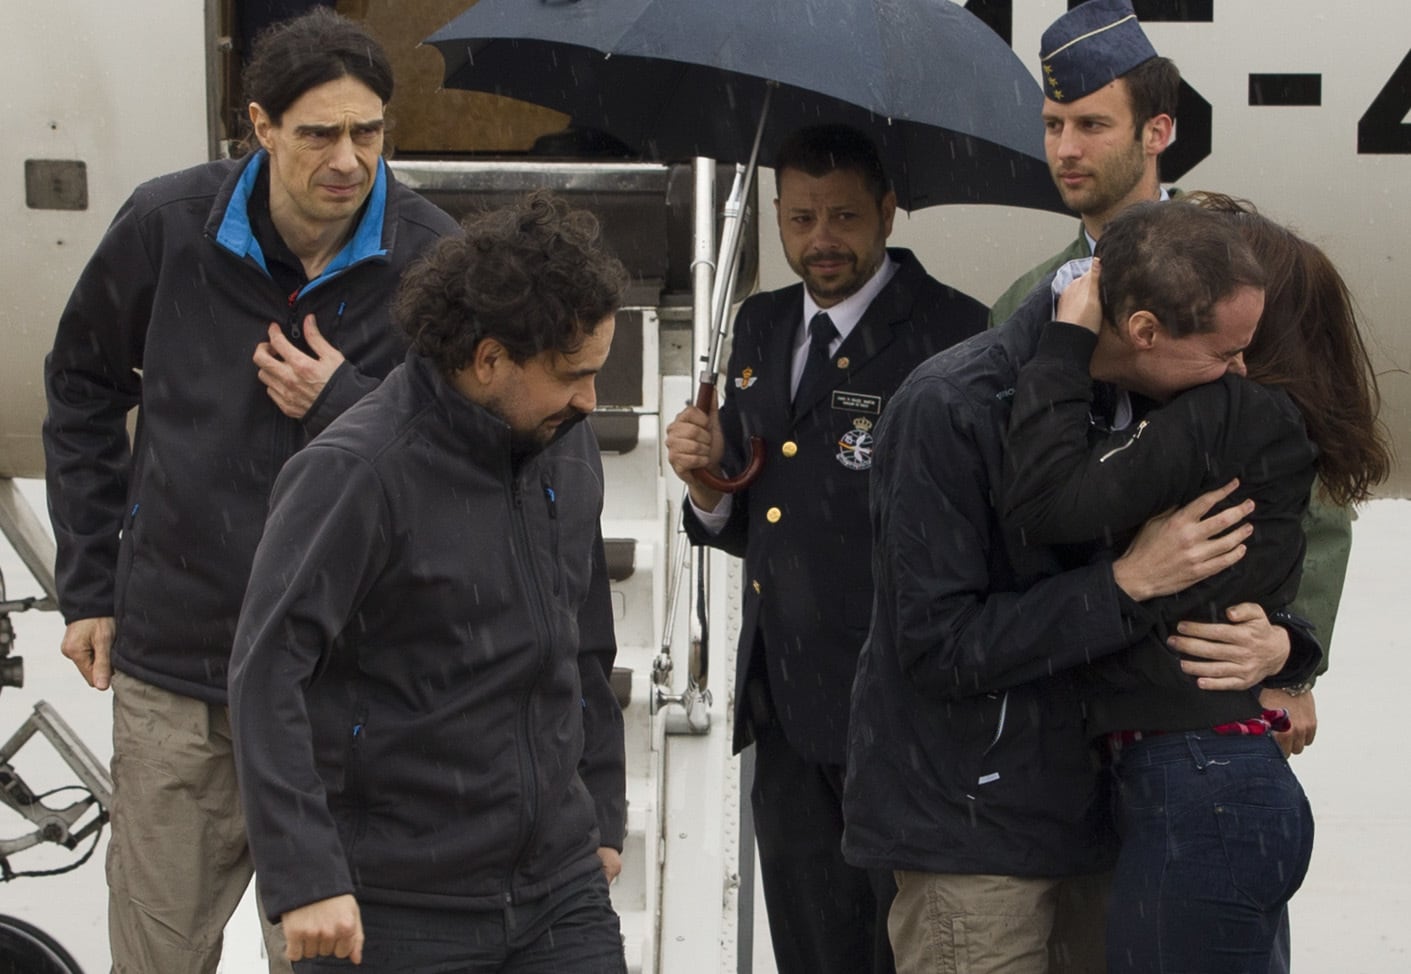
(178, 862)
(975, 924)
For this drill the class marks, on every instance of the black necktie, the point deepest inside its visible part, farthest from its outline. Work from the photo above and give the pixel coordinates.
(821, 333)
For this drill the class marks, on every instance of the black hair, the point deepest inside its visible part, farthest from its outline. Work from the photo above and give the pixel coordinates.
(821, 149)
(534, 276)
(296, 55)
(1153, 88)
(1176, 262)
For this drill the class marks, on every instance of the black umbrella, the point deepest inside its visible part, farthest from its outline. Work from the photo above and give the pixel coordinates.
(952, 109)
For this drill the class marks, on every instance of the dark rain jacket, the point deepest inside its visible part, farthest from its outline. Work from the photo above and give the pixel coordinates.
(165, 319)
(419, 687)
(967, 750)
(1070, 482)
(802, 526)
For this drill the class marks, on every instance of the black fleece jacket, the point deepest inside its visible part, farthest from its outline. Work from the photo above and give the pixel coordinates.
(419, 687)
(165, 319)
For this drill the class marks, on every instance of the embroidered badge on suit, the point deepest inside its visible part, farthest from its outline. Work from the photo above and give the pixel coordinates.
(855, 446)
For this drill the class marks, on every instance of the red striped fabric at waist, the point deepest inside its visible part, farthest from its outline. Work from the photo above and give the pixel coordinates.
(1268, 722)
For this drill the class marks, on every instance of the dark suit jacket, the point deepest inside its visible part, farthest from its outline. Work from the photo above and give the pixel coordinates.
(802, 527)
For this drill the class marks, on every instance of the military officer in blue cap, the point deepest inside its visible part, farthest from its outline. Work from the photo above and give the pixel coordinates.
(1109, 113)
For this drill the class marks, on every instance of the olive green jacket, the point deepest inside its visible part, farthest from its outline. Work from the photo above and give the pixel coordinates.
(1014, 296)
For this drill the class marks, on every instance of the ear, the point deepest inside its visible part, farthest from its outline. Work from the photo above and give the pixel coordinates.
(488, 357)
(1158, 133)
(889, 210)
(261, 123)
(1142, 329)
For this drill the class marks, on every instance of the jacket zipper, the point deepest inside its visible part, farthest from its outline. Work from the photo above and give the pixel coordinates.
(992, 776)
(1136, 435)
(999, 727)
(296, 330)
(539, 615)
(286, 428)
(296, 321)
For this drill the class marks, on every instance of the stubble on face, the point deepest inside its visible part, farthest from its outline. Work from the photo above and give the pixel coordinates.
(529, 439)
(324, 153)
(1100, 187)
(537, 397)
(833, 231)
(1096, 153)
(517, 406)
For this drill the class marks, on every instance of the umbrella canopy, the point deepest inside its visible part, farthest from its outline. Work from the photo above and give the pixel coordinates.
(950, 106)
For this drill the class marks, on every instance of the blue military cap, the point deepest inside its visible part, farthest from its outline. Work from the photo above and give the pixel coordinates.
(1090, 46)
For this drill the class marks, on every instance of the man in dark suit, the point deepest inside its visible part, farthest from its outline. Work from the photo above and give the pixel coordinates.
(811, 369)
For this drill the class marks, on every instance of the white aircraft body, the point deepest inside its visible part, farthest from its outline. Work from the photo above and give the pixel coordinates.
(1308, 104)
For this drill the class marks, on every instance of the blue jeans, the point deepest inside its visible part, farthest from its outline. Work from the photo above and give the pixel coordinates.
(1281, 957)
(573, 930)
(1216, 838)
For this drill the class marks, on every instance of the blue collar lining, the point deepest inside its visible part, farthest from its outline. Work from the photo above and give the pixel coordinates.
(237, 236)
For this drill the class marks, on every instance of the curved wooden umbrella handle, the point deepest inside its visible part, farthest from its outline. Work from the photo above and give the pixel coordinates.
(705, 402)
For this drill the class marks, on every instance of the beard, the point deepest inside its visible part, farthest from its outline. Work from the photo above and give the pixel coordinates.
(524, 441)
(1109, 183)
(838, 285)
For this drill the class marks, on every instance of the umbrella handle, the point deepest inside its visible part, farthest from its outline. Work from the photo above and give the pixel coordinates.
(705, 402)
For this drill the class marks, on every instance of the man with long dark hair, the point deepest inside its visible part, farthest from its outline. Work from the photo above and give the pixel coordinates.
(238, 306)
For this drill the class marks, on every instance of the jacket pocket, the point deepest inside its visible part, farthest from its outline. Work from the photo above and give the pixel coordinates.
(972, 731)
(127, 548)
